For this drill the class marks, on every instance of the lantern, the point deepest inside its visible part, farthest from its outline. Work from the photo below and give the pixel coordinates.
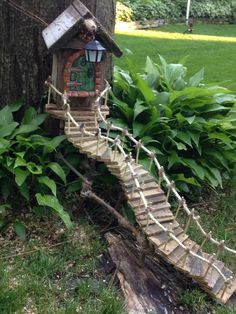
(94, 51)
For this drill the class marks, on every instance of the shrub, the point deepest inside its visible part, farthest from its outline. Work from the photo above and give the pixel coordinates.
(29, 174)
(190, 126)
(124, 13)
(169, 9)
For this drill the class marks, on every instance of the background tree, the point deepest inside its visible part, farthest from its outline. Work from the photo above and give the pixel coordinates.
(25, 62)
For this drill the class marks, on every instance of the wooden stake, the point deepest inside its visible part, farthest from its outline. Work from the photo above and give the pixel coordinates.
(170, 188)
(207, 237)
(191, 215)
(138, 146)
(109, 126)
(152, 157)
(161, 172)
(181, 203)
(227, 284)
(211, 262)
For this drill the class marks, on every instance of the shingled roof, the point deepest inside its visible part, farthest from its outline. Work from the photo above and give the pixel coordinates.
(68, 24)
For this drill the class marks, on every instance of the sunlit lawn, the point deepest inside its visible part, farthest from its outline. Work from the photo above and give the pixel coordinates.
(210, 46)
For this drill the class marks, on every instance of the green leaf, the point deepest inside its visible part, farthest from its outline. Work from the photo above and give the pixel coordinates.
(6, 188)
(15, 106)
(197, 169)
(137, 129)
(52, 144)
(20, 230)
(49, 183)
(52, 202)
(4, 145)
(173, 159)
(190, 180)
(196, 79)
(184, 137)
(7, 130)
(24, 129)
(20, 176)
(139, 108)
(57, 169)
(2, 223)
(29, 115)
(6, 116)
(221, 136)
(152, 74)
(75, 186)
(24, 191)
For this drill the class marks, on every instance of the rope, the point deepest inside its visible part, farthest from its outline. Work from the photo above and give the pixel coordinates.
(26, 12)
(116, 143)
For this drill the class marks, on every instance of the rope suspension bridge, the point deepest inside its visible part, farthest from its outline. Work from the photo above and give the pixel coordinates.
(145, 194)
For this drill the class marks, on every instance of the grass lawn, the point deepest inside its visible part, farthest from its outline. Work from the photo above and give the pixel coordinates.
(55, 271)
(211, 46)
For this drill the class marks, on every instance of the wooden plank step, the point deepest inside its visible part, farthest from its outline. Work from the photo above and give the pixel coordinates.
(141, 172)
(123, 170)
(172, 244)
(146, 222)
(177, 255)
(197, 266)
(157, 214)
(149, 194)
(146, 186)
(94, 143)
(160, 198)
(93, 151)
(213, 275)
(224, 296)
(146, 179)
(153, 230)
(158, 207)
(162, 237)
(220, 283)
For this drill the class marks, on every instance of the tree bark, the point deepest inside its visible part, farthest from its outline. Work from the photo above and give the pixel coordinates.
(25, 62)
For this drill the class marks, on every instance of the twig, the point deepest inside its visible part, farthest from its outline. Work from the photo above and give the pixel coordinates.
(35, 250)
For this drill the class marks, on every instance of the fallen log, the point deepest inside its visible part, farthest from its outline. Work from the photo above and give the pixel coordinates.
(148, 286)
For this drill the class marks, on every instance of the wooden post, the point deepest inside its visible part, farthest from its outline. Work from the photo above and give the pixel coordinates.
(152, 156)
(190, 217)
(170, 188)
(161, 173)
(181, 203)
(138, 147)
(207, 237)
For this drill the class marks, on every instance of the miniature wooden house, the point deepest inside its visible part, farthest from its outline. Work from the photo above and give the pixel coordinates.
(67, 37)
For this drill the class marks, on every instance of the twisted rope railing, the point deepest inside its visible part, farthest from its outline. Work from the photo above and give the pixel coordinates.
(116, 143)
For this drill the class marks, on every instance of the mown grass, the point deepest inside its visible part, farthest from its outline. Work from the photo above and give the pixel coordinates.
(58, 273)
(210, 46)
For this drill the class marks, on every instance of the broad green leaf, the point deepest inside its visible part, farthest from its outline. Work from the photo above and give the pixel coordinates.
(190, 180)
(137, 129)
(52, 144)
(52, 202)
(184, 137)
(29, 115)
(162, 98)
(221, 136)
(24, 129)
(24, 190)
(197, 78)
(152, 74)
(7, 129)
(57, 169)
(173, 159)
(6, 188)
(15, 106)
(49, 183)
(20, 230)
(6, 116)
(75, 186)
(139, 108)
(33, 168)
(20, 162)
(20, 176)
(196, 168)
(4, 145)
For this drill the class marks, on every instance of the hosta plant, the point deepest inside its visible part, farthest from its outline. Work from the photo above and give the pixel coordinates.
(190, 126)
(29, 173)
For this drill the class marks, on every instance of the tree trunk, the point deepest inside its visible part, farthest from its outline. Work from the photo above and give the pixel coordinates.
(25, 62)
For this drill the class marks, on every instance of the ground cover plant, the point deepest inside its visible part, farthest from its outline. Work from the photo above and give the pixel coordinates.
(29, 173)
(189, 125)
(210, 46)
